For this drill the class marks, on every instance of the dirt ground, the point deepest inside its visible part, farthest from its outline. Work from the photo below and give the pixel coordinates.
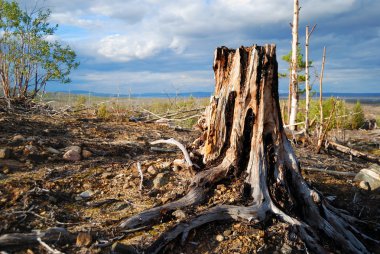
(39, 189)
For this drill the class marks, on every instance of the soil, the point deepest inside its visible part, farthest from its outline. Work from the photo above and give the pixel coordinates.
(39, 189)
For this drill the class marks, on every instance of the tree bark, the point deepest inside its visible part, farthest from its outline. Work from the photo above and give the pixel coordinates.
(294, 76)
(243, 133)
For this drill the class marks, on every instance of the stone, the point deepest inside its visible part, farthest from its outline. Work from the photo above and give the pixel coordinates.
(5, 153)
(227, 232)
(107, 175)
(52, 150)
(220, 238)
(30, 149)
(86, 154)
(160, 180)
(73, 154)
(87, 194)
(369, 178)
(18, 138)
(179, 214)
(286, 249)
(151, 170)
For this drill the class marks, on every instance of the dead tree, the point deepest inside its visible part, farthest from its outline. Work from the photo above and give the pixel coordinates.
(245, 135)
(320, 134)
(307, 78)
(294, 74)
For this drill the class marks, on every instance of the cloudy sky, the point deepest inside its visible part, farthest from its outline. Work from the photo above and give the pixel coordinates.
(167, 46)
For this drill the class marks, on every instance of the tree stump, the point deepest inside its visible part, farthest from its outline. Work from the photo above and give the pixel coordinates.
(243, 132)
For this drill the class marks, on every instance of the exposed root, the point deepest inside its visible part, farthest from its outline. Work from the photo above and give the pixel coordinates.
(197, 193)
(224, 212)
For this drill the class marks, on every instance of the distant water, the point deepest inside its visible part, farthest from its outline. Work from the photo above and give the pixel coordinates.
(370, 98)
(351, 97)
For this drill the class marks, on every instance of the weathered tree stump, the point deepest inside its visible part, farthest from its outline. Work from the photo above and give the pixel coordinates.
(244, 133)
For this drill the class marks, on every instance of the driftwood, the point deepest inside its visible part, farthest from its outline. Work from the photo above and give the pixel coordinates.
(51, 236)
(244, 135)
(353, 152)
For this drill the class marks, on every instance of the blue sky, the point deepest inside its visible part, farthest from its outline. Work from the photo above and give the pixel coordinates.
(167, 46)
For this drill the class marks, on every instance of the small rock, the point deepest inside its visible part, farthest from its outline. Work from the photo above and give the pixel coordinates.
(84, 239)
(164, 200)
(29, 149)
(160, 180)
(86, 154)
(107, 175)
(73, 154)
(18, 138)
(179, 214)
(165, 165)
(286, 249)
(176, 168)
(52, 150)
(5, 153)
(220, 238)
(33, 138)
(227, 232)
(151, 170)
(78, 198)
(87, 194)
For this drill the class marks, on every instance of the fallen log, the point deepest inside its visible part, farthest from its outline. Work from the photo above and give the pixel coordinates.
(353, 152)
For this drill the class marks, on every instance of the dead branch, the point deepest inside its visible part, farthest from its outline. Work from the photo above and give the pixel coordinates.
(141, 176)
(351, 151)
(172, 141)
(47, 247)
(331, 172)
(323, 135)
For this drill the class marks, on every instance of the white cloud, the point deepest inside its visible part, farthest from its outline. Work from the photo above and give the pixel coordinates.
(125, 48)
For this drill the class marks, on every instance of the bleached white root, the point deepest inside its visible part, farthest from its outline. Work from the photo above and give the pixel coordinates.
(172, 141)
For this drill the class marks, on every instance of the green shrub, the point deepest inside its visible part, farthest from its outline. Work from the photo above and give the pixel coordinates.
(80, 102)
(357, 118)
(102, 111)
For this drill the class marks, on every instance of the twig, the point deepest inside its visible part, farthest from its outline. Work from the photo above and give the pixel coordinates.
(172, 141)
(141, 176)
(48, 248)
(331, 172)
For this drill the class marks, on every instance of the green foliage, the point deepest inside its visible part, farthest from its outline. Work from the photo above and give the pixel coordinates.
(357, 118)
(301, 65)
(80, 102)
(338, 120)
(102, 111)
(30, 58)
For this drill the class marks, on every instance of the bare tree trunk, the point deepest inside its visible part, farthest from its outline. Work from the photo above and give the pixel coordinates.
(243, 134)
(294, 76)
(320, 133)
(307, 78)
(289, 96)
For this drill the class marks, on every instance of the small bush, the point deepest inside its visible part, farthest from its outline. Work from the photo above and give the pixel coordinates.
(80, 102)
(357, 119)
(102, 111)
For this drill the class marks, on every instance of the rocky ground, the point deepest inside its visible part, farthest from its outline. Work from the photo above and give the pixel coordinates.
(81, 174)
